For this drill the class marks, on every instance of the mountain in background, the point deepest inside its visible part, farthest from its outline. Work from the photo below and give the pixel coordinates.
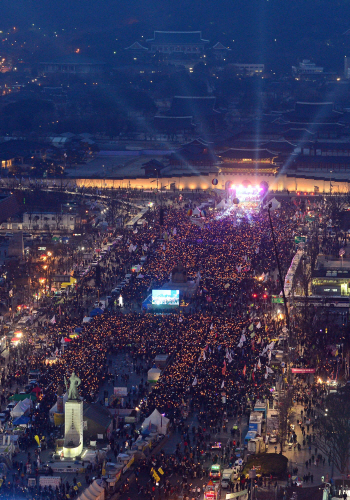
(274, 32)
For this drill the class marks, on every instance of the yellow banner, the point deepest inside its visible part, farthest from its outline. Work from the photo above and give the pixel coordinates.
(58, 419)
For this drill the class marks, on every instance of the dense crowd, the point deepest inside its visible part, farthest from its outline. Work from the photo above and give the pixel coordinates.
(230, 255)
(219, 347)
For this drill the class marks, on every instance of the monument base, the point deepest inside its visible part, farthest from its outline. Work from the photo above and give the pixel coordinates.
(73, 429)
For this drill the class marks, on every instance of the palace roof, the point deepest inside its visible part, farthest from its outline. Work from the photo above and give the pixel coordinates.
(177, 37)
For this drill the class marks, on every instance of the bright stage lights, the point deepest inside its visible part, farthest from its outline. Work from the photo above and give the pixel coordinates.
(240, 188)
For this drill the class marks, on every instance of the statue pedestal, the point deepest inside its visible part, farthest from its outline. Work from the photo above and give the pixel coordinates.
(73, 429)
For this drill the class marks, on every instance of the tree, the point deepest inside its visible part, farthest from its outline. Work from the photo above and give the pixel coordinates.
(285, 404)
(25, 115)
(333, 437)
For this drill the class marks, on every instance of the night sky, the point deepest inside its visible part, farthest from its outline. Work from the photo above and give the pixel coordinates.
(261, 29)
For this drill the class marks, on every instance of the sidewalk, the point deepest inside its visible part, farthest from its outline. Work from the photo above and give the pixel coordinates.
(297, 459)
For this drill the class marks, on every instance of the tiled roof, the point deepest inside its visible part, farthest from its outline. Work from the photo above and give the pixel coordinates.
(177, 37)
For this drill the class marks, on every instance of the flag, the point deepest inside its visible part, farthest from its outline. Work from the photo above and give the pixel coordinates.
(198, 222)
(244, 370)
(194, 382)
(251, 328)
(224, 368)
(223, 384)
(53, 320)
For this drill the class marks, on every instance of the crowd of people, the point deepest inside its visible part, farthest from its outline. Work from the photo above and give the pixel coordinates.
(219, 346)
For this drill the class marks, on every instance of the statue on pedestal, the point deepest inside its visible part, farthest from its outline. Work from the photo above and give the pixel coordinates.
(73, 392)
(179, 274)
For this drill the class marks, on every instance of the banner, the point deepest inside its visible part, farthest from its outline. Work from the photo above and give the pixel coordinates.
(303, 370)
(121, 391)
(128, 465)
(50, 481)
(58, 419)
(243, 495)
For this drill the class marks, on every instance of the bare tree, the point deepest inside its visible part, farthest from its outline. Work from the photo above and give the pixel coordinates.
(285, 405)
(333, 437)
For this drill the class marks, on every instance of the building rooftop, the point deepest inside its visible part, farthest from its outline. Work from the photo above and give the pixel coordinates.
(72, 59)
(220, 46)
(253, 154)
(322, 160)
(279, 146)
(180, 37)
(98, 414)
(172, 124)
(21, 147)
(313, 112)
(136, 46)
(331, 273)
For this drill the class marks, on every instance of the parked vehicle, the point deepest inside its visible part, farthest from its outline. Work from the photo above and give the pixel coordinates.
(228, 476)
(215, 471)
(256, 445)
(11, 406)
(4, 416)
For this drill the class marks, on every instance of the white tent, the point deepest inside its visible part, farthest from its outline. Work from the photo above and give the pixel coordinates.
(93, 492)
(87, 319)
(153, 374)
(222, 205)
(196, 211)
(21, 408)
(157, 420)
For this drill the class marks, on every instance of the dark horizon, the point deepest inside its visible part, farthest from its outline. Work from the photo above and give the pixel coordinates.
(271, 32)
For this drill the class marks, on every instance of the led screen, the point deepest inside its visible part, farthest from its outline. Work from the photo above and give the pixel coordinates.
(165, 297)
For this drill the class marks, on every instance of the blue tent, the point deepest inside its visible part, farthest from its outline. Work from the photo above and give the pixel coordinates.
(147, 303)
(96, 312)
(23, 420)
